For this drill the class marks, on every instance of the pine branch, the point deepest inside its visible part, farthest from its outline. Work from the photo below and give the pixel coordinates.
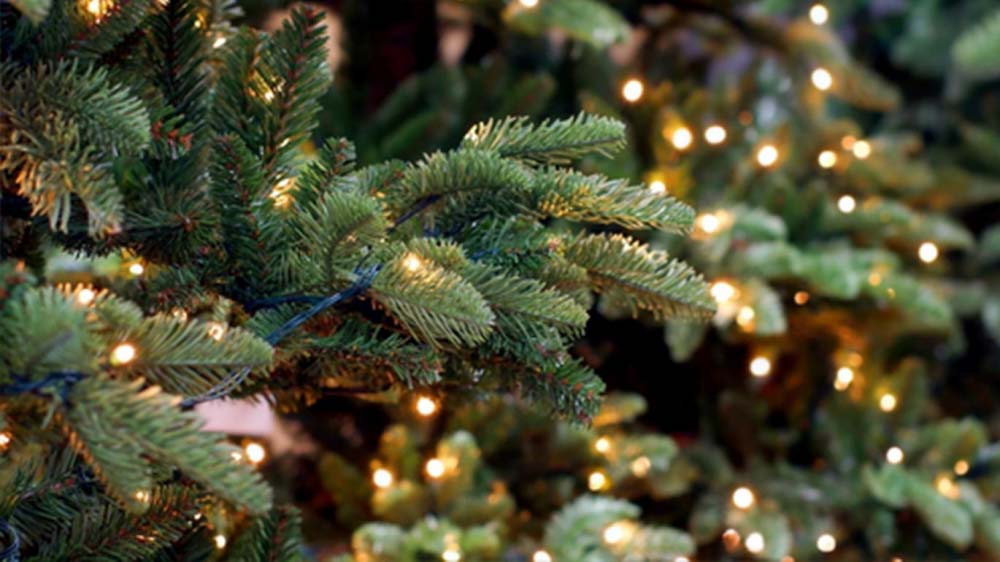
(272, 537)
(977, 50)
(550, 142)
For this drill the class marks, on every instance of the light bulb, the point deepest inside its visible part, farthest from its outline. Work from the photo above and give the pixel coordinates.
(216, 330)
(767, 155)
(962, 467)
(845, 376)
(255, 452)
(743, 497)
(136, 269)
(94, 7)
(597, 481)
(219, 42)
(528, 3)
(657, 187)
(640, 466)
(861, 149)
(827, 159)
(681, 138)
(759, 367)
(947, 487)
(632, 90)
(123, 353)
(822, 79)
(142, 495)
(894, 455)
(708, 223)
(818, 14)
(826, 543)
(722, 292)
(86, 296)
(887, 402)
(382, 478)
(744, 318)
(755, 542)
(602, 445)
(928, 252)
(847, 142)
(411, 262)
(801, 297)
(220, 541)
(617, 532)
(434, 468)
(5, 438)
(846, 204)
(541, 556)
(426, 406)
(716, 134)
(731, 539)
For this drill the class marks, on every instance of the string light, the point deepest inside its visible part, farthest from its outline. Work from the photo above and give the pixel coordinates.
(861, 149)
(947, 487)
(411, 262)
(845, 376)
(928, 252)
(602, 445)
(528, 3)
(434, 468)
(86, 296)
(767, 155)
(95, 8)
(743, 497)
(682, 559)
(818, 14)
(755, 542)
(759, 367)
(801, 297)
(657, 187)
(846, 204)
(123, 353)
(236, 456)
(426, 406)
(5, 438)
(136, 269)
(962, 467)
(731, 539)
(255, 452)
(715, 134)
(597, 481)
(632, 90)
(541, 556)
(745, 317)
(617, 533)
(219, 42)
(640, 466)
(220, 541)
(382, 478)
(722, 292)
(822, 79)
(681, 138)
(826, 543)
(875, 279)
(887, 402)
(708, 223)
(216, 330)
(827, 159)
(847, 142)
(894, 455)
(142, 495)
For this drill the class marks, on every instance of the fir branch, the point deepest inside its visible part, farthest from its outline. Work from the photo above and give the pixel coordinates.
(550, 142)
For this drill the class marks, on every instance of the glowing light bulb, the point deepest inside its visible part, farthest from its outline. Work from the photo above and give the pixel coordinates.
(411, 262)
(657, 187)
(743, 497)
(826, 544)
(767, 155)
(962, 467)
(894, 455)
(123, 353)
(846, 204)
(617, 532)
(640, 466)
(827, 159)
(861, 149)
(755, 542)
(220, 541)
(822, 79)
(86, 296)
(632, 90)
(708, 223)
(818, 14)
(236, 456)
(759, 367)
(219, 42)
(5, 438)
(928, 252)
(382, 478)
(597, 481)
(887, 402)
(682, 559)
(722, 292)
(426, 406)
(528, 3)
(434, 468)
(681, 138)
(255, 452)
(216, 330)
(142, 495)
(541, 556)
(94, 7)
(716, 134)
(801, 297)
(744, 318)
(602, 445)
(947, 487)
(845, 376)
(731, 539)
(136, 269)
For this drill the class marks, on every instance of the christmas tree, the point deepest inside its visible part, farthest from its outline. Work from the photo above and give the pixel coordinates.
(170, 239)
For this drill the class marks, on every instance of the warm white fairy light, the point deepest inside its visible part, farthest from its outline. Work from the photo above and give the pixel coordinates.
(382, 478)
(961, 467)
(220, 541)
(894, 455)
(142, 496)
(528, 3)
(236, 456)
(681, 138)
(947, 487)
(743, 497)
(801, 297)
(412, 263)
(216, 330)
(657, 187)
(744, 318)
(928, 252)
(826, 543)
(709, 223)
(136, 269)
(722, 291)
(682, 559)
(123, 353)
(861, 149)
(755, 542)
(619, 532)
(5, 438)
(602, 445)
(541, 556)
(845, 376)
(425, 406)
(715, 134)
(632, 90)
(731, 539)
(219, 42)
(767, 155)
(887, 402)
(827, 159)
(86, 296)
(434, 468)
(640, 466)
(759, 367)
(821, 78)
(95, 8)
(255, 452)
(818, 14)
(597, 481)
(846, 204)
